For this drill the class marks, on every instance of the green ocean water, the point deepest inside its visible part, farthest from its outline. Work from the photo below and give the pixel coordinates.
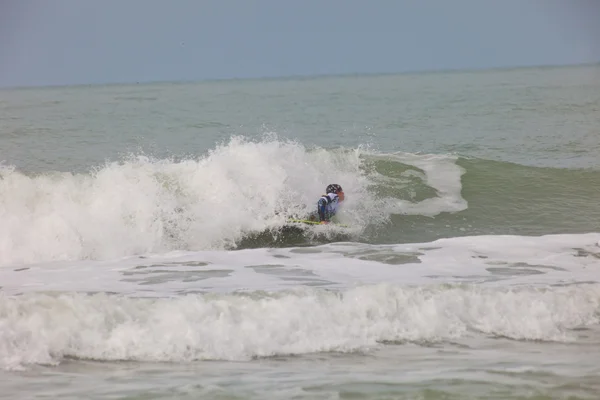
(144, 252)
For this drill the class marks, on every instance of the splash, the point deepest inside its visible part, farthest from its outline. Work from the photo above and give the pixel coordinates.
(142, 205)
(434, 173)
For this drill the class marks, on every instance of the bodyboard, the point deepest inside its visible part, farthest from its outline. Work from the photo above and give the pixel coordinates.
(309, 222)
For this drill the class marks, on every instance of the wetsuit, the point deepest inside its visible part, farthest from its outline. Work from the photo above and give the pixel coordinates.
(327, 206)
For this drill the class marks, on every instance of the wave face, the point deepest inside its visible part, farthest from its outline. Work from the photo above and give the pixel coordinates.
(43, 329)
(435, 196)
(143, 205)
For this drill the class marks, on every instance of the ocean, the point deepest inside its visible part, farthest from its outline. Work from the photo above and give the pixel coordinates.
(146, 253)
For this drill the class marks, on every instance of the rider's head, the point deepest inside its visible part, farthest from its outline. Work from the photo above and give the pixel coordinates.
(337, 189)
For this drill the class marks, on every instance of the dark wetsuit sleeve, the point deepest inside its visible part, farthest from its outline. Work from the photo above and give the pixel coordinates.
(322, 209)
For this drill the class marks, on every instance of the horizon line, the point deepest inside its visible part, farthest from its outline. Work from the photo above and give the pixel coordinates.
(300, 76)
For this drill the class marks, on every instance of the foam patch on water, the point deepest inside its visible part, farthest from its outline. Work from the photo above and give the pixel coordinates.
(439, 172)
(44, 329)
(485, 260)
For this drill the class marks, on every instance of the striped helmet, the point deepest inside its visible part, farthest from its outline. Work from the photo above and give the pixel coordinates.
(334, 188)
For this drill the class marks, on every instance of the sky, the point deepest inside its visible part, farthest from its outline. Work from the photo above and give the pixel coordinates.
(59, 42)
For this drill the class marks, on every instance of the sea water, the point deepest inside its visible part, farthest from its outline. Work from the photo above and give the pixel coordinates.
(145, 251)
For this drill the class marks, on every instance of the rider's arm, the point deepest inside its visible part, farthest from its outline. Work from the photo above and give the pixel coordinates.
(322, 209)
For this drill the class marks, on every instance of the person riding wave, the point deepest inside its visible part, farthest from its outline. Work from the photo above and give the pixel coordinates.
(329, 203)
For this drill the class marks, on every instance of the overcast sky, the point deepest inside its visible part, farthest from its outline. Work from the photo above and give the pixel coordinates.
(50, 42)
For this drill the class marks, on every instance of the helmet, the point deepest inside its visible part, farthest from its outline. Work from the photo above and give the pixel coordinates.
(334, 188)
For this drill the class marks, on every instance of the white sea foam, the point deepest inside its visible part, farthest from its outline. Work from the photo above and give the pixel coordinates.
(335, 297)
(142, 205)
(486, 260)
(441, 173)
(39, 328)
